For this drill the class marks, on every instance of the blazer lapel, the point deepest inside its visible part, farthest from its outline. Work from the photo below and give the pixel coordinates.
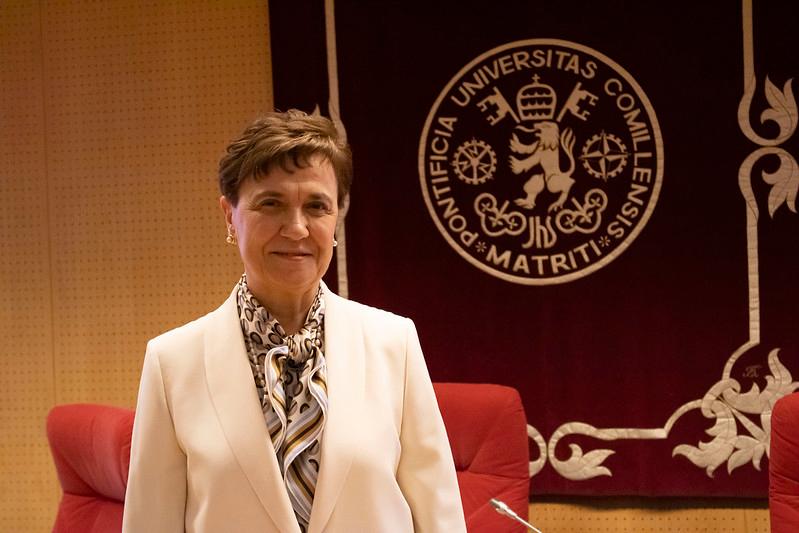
(235, 399)
(344, 357)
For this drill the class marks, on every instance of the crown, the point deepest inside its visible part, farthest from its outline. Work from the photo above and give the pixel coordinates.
(536, 101)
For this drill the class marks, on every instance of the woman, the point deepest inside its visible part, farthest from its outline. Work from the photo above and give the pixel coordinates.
(288, 408)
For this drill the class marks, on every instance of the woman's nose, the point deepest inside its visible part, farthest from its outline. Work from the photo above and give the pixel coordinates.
(295, 226)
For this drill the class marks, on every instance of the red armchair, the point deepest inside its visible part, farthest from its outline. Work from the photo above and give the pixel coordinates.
(485, 423)
(783, 490)
(91, 451)
(487, 432)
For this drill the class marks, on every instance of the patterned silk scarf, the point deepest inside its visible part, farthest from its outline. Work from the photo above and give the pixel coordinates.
(290, 376)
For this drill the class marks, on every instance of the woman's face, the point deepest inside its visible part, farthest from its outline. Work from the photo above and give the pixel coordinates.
(285, 224)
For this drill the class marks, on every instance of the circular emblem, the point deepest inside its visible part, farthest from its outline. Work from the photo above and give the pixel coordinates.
(541, 161)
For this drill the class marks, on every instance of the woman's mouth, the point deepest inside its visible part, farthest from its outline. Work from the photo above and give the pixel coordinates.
(292, 254)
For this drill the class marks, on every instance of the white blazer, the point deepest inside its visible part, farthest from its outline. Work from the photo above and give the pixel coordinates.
(201, 457)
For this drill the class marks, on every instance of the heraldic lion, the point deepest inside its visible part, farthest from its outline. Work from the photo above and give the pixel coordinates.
(545, 151)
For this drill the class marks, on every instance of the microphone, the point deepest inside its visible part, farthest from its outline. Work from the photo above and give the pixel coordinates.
(503, 509)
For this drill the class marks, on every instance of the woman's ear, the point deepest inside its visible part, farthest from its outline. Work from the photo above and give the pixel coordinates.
(227, 209)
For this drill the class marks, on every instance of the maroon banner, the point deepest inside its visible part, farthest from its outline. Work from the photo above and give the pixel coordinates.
(593, 202)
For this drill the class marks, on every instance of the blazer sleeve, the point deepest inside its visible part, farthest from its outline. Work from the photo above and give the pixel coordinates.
(155, 500)
(426, 472)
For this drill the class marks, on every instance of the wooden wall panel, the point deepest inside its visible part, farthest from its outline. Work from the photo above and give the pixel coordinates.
(26, 334)
(633, 515)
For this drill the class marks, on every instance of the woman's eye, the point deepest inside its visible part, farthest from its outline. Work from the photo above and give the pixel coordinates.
(319, 207)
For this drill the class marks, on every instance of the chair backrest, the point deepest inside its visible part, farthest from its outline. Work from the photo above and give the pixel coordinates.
(91, 450)
(487, 431)
(783, 490)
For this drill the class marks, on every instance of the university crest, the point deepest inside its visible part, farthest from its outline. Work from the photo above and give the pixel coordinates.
(541, 161)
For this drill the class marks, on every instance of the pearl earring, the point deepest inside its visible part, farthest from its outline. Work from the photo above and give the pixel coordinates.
(230, 239)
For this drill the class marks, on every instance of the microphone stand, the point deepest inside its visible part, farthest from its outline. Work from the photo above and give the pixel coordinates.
(503, 509)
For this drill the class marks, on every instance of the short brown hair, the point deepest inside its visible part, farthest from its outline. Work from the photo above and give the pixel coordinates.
(289, 139)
